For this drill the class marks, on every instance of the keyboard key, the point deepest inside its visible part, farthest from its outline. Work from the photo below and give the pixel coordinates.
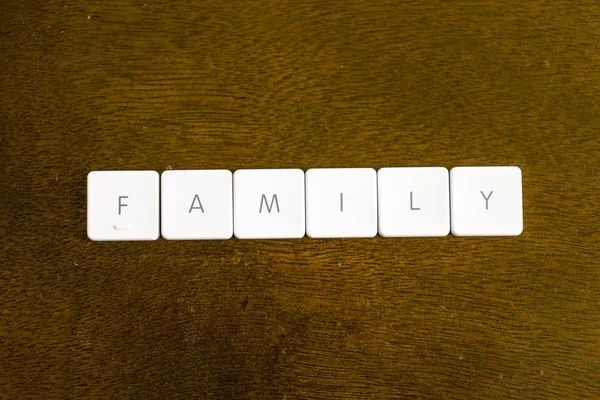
(413, 201)
(269, 203)
(341, 202)
(486, 201)
(197, 204)
(122, 205)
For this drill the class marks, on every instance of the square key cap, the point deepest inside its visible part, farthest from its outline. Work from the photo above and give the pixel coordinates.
(341, 202)
(269, 203)
(197, 204)
(122, 205)
(413, 201)
(486, 201)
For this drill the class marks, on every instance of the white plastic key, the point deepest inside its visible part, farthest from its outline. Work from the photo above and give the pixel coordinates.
(413, 201)
(486, 201)
(341, 202)
(196, 204)
(269, 203)
(122, 205)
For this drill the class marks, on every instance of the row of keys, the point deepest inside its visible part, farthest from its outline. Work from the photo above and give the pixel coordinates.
(289, 203)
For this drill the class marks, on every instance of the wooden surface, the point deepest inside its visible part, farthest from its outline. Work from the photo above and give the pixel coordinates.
(95, 85)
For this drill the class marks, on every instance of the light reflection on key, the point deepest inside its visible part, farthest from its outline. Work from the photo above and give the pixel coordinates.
(123, 227)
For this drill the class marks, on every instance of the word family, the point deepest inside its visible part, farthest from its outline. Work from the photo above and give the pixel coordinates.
(291, 203)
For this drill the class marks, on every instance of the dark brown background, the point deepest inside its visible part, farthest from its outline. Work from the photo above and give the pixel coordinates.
(95, 85)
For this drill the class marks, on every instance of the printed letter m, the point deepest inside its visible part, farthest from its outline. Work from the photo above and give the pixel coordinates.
(263, 199)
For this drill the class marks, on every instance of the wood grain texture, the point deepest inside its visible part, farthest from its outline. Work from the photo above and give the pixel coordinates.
(121, 84)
